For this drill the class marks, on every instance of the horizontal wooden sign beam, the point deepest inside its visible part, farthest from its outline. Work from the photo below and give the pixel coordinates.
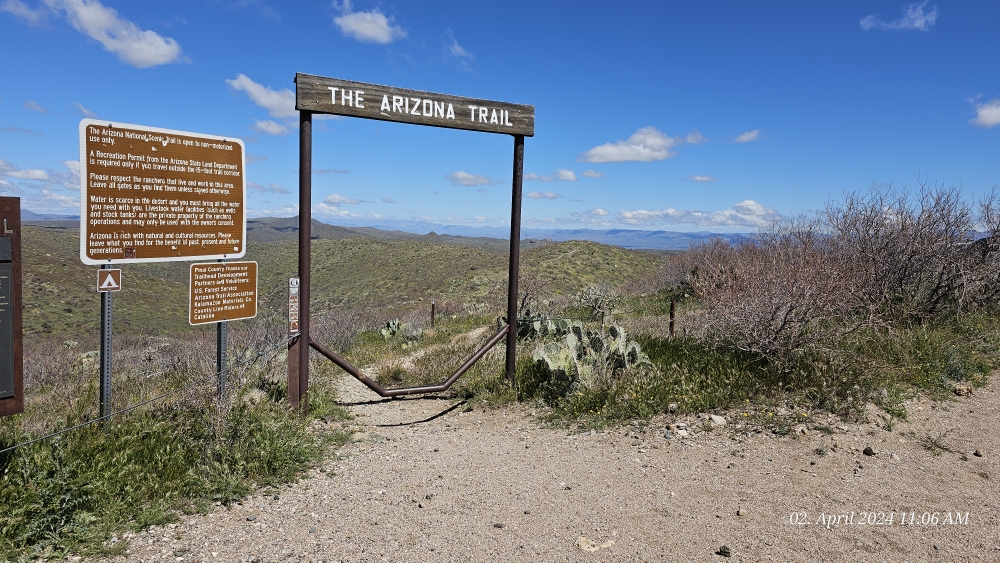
(319, 94)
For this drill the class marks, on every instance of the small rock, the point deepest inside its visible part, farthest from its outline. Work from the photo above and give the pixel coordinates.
(589, 545)
(681, 433)
(672, 408)
(312, 530)
(724, 551)
(498, 525)
(741, 512)
(936, 546)
(895, 457)
(717, 420)
(360, 437)
(252, 518)
(527, 512)
(802, 430)
(977, 453)
(962, 389)
(869, 451)
(420, 505)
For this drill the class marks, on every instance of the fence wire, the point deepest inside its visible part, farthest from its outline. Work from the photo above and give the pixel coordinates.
(148, 401)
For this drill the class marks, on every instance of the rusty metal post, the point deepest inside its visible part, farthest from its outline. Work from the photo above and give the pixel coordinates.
(298, 380)
(515, 255)
(673, 304)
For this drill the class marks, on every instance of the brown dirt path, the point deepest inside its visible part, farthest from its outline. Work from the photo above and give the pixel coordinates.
(426, 481)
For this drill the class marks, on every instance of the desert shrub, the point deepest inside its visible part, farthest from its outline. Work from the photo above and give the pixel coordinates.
(884, 260)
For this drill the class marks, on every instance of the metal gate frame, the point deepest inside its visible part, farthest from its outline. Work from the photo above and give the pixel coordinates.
(298, 348)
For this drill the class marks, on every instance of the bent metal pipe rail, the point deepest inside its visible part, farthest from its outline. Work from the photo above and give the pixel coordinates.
(374, 386)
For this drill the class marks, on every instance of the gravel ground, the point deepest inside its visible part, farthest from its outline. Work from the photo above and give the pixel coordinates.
(424, 480)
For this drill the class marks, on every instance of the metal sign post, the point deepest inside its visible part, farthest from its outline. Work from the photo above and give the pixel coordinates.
(106, 350)
(318, 94)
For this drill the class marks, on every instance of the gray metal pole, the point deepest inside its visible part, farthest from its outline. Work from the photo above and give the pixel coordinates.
(106, 350)
(515, 255)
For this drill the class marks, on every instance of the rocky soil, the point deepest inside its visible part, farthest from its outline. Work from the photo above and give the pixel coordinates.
(426, 480)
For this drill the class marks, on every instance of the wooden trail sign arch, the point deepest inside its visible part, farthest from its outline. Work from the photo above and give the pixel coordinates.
(318, 94)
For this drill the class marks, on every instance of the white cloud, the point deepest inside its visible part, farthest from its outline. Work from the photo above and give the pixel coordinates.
(747, 213)
(592, 174)
(703, 178)
(254, 158)
(462, 178)
(597, 212)
(566, 175)
(543, 195)
(749, 136)
(278, 103)
(368, 27)
(18, 8)
(914, 19)
(84, 111)
(271, 188)
(34, 106)
(325, 171)
(388, 200)
(988, 114)
(10, 171)
(269, 127)
(458, 51)
(73, 181)
(137, 47)
(337, 199)
(534, 177)
(645, 145)
(695, 138)
(21, 131)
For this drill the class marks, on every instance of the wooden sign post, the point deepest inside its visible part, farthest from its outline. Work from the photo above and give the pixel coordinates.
(318, 94)
(11, 342)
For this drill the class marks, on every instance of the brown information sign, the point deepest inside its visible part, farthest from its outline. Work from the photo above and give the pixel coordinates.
(222, 291)
(151, 195)
(387, 103)
(11, 345)
(109, 280)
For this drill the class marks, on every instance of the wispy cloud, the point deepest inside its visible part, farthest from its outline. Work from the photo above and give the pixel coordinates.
(278, 103)
(20, 9)
(645, 145)
(269, 127)
(543, 195)
(695, 138)
(254, 158)
(271, 188)
(914, 19)
(747, 213)
(325, 171)
(988, 114)
(566, 175)
(84, 111)
(20, 131)
(34, 106)
(388, 200)
(462, 178)
(337, 199)
(703, 178)
(137, 47)
(367, 27)
(597, 212)
(592, 174)
(748, 137)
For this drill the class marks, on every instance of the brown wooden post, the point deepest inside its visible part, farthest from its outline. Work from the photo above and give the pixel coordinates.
(515, 255)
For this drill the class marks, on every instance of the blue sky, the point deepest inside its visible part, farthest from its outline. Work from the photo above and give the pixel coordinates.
(650, 115)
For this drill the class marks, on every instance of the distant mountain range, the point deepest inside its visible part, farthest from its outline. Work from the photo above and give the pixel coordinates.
(267, 229)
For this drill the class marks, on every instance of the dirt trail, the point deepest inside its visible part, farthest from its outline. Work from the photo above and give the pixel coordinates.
(427, 481)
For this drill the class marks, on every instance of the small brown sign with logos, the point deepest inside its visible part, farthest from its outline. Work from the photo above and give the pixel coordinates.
(11, 344)
(222, 291)
(109, 280)
(151, 195)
